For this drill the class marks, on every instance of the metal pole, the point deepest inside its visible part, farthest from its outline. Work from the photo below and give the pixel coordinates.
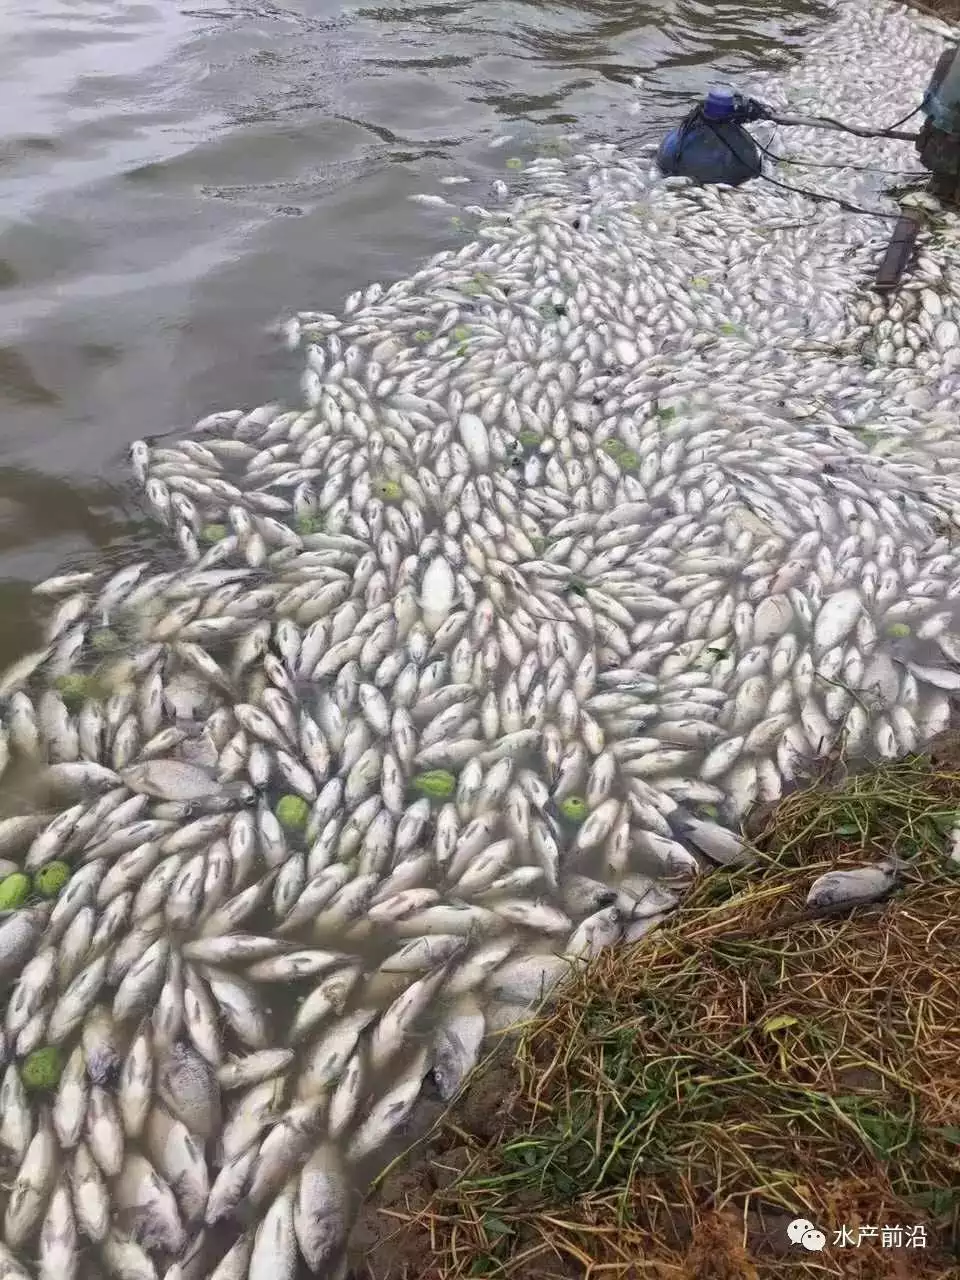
(898, 254)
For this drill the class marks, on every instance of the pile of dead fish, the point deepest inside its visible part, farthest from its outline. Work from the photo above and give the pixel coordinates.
(590, 535)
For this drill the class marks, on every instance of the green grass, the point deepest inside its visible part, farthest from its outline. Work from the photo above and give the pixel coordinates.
(744, 1058)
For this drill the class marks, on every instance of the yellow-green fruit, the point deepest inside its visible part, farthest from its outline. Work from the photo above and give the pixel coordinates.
(292, 812)
(75, 690)
(438, 784)
(613, 448)
(14, 891)
(529, 439)
(51, 878)
(42, 1069)
(573, 808)
(461, 333)
(390, 490)
(213, 532)
(309, 524)
(898, 630)
(628, 460)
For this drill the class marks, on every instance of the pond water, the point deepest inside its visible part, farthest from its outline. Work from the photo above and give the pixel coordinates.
(176, 177)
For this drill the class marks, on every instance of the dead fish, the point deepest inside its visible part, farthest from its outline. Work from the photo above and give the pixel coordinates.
(320, 1217)
(274, 1254)
(457, 1046)
(859, 885)
(171, 780)
(188, 1087)
(717, 843)
(146, 1208)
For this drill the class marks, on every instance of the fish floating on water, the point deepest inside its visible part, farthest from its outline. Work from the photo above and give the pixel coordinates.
(590, 535)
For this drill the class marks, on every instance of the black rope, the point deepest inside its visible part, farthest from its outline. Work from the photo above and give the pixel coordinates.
(836, 164)
(897, 123)
(856, 168)
(886, 132)
(802, 191)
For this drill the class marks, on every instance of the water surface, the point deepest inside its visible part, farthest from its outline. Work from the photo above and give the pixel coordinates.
(178, 176)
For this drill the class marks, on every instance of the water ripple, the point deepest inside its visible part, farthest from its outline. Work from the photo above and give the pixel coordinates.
(177, 175)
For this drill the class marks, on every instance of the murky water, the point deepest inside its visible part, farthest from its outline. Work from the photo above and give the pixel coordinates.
(177, 176)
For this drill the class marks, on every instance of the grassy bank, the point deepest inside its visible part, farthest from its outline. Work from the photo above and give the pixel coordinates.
(745, 1066)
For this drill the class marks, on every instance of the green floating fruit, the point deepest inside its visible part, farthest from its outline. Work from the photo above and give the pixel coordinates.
(612, 447)
(898, 630)
(539, 544)
(437, 784)
(514, 163)
(292, 812)
(628, 460)
(42, 1069)
(529, 439)
(51, 878)
(104, 640)
(309, 524)
(577, 586)
(700, 282)
(389, 490)
(213, 532)
(423, 335)
(573, 808)
(14, 891)
(461, 333)
(76, 689)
